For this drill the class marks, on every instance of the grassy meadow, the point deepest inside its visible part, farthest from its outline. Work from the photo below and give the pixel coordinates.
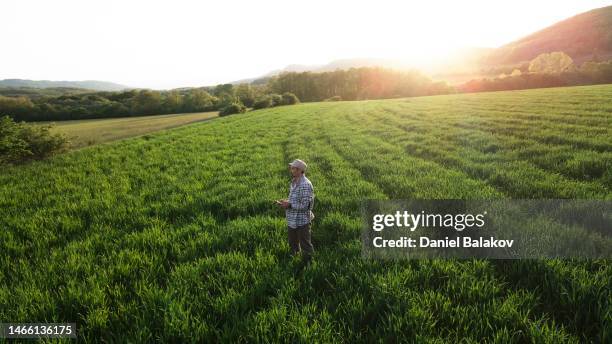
(87, 132)
(173, 236)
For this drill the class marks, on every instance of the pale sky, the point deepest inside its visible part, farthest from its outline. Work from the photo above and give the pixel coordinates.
(179, 43)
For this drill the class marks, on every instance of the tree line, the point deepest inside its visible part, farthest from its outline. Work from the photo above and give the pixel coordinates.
(284, 89)
(356, 84)
(128, 103)
(547, 70)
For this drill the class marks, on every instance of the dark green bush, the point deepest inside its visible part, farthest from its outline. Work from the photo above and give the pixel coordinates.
(232, 109)
(262, 103)
(20, 141)
(290, 99)
(12, 147)
(277, 99)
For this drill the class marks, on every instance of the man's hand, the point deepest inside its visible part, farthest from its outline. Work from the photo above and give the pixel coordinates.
(283, 203)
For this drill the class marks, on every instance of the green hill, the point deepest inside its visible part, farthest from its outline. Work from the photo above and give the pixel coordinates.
(174, 236)
(583, 37)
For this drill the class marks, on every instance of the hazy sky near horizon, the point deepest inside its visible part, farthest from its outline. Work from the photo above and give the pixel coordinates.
(167, 44)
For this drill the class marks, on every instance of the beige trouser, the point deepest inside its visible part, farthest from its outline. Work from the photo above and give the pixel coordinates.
(300, 237)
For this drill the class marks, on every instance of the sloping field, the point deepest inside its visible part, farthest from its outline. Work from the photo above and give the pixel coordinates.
(174, 235)
(88, 132)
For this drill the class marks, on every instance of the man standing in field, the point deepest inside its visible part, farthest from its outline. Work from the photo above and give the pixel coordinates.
(298, 210)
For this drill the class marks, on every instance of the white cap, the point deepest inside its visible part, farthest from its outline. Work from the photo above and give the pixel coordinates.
(298, 164)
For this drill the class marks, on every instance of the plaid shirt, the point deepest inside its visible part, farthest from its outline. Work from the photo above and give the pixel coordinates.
(301, 198)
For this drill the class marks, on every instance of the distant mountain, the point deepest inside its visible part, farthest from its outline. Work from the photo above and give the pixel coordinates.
(583, 37)
(87, 84)
(462, 59)
(343, 64)
(35, 93)
(336, 64)
(298, 68)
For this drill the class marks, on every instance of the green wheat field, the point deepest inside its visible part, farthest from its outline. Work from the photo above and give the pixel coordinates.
(87, 132)
(174, 235)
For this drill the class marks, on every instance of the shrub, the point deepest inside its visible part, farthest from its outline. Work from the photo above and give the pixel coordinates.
(232, 109)
(290, 99)
(226, 100)
(262, 103)
(20, 142)
(333, 99)
(277, 99)
(12, 147)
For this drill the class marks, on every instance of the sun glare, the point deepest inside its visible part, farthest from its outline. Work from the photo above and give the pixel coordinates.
(161, 44)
